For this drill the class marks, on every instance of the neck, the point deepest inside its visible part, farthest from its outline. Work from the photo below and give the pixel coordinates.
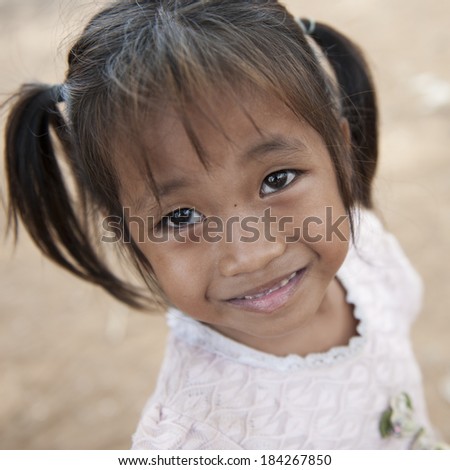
(332, 325)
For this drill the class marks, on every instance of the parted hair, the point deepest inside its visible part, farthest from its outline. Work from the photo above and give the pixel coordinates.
(132, 60)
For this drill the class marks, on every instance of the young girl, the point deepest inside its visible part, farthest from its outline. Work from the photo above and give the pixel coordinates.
(230, 150)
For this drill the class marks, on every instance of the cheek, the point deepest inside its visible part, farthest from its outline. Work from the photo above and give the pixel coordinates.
(179, 269)
(330, 237)
(174, 265)
(315, 206)
(334, 248)
(319, 218)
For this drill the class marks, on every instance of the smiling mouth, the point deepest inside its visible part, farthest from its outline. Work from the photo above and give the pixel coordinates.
(281, 284)
(270, 298)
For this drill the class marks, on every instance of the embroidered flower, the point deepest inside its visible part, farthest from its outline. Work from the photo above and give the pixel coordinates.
(399, 421)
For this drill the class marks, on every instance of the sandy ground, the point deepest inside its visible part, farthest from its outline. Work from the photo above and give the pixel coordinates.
(76, 367)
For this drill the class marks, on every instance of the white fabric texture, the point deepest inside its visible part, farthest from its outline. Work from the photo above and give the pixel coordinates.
(214, 393)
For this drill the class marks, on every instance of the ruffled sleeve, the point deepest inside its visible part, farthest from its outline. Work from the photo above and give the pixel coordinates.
(377, 254)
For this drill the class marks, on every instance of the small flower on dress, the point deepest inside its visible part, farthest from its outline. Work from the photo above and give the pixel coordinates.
(402, 417)
(399, 421)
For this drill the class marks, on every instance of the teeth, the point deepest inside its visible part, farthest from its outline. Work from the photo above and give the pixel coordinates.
(273, 289)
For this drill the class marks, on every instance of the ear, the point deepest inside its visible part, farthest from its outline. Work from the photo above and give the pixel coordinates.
(345, 128)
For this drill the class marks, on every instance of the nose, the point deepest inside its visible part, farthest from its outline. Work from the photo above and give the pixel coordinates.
(248, 250)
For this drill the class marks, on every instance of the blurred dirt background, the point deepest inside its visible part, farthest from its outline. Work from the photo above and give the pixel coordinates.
(77, 367)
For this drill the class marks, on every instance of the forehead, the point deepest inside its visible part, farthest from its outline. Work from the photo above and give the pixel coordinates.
(211, 133)
(215, 126)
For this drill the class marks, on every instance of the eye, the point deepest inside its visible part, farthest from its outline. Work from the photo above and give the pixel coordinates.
(181, 218)
(277, 181)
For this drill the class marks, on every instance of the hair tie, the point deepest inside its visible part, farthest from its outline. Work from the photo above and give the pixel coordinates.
(59, 92)
(308, 28)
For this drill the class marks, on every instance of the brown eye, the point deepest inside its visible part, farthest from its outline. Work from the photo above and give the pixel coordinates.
(277, 181)
(182, 217)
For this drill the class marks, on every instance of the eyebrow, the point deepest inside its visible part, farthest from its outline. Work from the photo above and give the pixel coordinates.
(273, 144)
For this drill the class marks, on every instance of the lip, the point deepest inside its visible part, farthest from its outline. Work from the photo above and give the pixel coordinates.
(268, 298)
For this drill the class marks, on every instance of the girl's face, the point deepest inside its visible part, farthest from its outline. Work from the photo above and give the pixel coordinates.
(247, 245)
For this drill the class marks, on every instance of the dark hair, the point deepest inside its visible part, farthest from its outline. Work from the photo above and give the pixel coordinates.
(358, 103)
(133, 58)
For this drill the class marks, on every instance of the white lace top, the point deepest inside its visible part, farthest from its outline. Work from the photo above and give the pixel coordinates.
(214, 393)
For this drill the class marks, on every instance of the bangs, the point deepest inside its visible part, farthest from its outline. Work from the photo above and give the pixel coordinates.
(183, 57)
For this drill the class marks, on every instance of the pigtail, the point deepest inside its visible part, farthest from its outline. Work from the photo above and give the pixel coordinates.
(29, 155)
(39, 194)
(358, 100)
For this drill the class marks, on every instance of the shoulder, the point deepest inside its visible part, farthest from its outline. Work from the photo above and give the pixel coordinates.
(376, 247)
(377, 260)
(161, 428)
(183, 411)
